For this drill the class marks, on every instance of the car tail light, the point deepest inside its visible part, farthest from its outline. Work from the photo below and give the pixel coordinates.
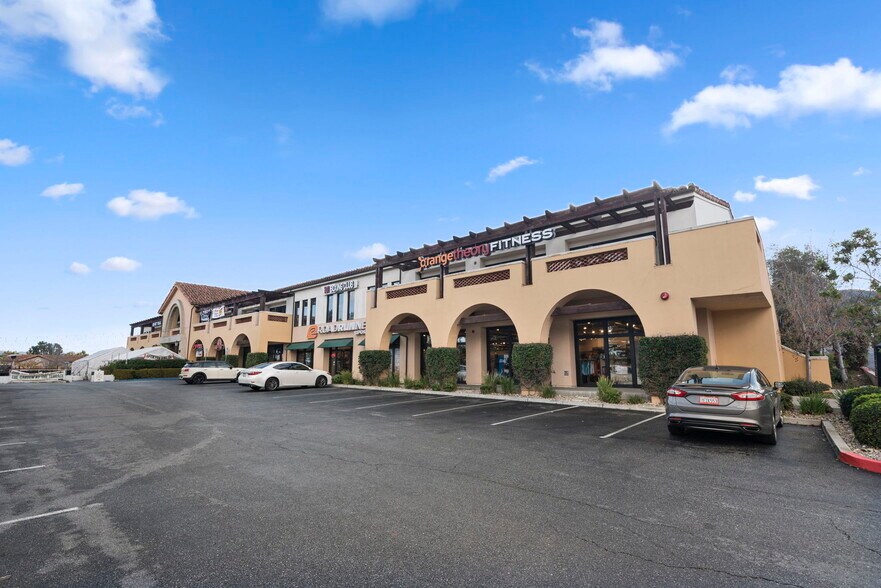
(252, 373)
(749, 395)
(677, 393)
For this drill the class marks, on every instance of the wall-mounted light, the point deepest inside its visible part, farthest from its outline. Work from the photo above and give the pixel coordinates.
(665, 296)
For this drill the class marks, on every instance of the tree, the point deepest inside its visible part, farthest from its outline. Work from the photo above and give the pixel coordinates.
(45, 348)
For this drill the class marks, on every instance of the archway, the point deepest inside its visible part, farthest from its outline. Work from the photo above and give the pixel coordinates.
(197, 351)
(407, 337)
(594, 333)
(241, 347)
(217, 349)
(485, 335)
(172, 322)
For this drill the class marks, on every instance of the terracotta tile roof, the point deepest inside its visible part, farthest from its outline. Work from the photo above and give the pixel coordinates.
(202, 295)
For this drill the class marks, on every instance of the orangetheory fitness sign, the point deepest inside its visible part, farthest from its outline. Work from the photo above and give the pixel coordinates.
(485, 249)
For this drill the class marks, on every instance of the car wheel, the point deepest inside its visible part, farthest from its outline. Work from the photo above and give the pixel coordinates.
(321, 382)
(676, 430)
(187, 381)
(771, 438)
(198, 379)
(236, 379)
(271, 384)
(255, 388)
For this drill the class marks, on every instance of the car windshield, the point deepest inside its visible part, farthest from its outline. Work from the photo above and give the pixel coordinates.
(730, 377)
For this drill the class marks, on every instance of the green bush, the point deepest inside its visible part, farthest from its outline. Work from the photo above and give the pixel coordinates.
(635, 400)
(138, 364)
(786, 401)
(801, 387)
(489, 384)
(662, 359)
(232, 360)
(256, 358)
(532, 364)
(607, 392)
(344, 377)
(865, 419)
(814, 404)
(170, 372)
(412, 384)
(441, 366)
(372, 364)
(864, 398)
(148, 373)
(449, 387)
(393, 380)
(507, 385)
(548, 391)
(845, 399)
(120, 374)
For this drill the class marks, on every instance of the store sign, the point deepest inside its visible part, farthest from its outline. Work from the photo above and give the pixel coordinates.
(358, 327)
(341, 287)
(486, 249)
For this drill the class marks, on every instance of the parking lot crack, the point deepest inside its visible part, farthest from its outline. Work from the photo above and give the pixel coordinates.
(852, 540)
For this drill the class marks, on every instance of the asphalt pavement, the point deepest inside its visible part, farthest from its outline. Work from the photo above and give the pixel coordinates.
(156, 483)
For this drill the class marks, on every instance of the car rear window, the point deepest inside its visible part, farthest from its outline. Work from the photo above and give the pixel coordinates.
(722, 377)
(260, 366)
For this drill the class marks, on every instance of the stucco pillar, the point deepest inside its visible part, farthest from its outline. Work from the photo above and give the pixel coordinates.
(475, 355)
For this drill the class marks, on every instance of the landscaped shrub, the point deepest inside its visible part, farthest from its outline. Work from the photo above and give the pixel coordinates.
(507, 385)
(548, 392)
(256, 358)
(344, 377)
(412, 384)
(441, 366)
(170, 372)
(449, 387)
(662, 359)
(148, 373)
(865, 419)
(814, 404)
(635, 400)
(232, 360)
(607, 392)
(138, 364)
(393, 380)
(801, 387)
(532, 364)
(120, 374)
(864, 398)
(489, 384)
(845, 399)
(372, 364)
(786, 401)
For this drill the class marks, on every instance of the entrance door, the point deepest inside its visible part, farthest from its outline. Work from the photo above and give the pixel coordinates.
(340, 360)
(607, 347)
(499, 345)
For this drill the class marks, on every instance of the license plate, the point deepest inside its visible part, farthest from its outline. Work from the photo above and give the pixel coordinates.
(714, 400)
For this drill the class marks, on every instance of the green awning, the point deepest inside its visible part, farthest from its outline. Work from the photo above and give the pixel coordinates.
(332, 343)
(301, 345)
(362, 343)
(394, 340)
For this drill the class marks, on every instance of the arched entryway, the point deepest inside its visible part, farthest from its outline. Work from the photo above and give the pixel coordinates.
(594, 333)
(241, 347)
(407, 337)
(172, 322)
(217, 349)
(485, 336)
(197, 351)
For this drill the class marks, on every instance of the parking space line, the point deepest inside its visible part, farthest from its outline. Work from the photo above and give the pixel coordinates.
(362, 397)
(460, 408)
(21, 469)
(40, 516)
(13, 443)
(529, 416)
(4, 428)
(657, 416)
(307, 395)
(403, 402)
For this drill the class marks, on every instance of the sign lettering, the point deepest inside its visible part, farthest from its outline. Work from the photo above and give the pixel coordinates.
(447, 257)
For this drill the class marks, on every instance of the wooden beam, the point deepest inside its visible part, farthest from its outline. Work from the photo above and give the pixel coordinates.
(479, 319)
(409, 327)
(593, 307)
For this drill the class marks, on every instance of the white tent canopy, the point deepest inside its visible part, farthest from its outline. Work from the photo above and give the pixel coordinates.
(87, 365)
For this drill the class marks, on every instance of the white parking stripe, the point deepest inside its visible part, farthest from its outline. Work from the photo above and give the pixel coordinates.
(40, 516)
(22, 469)
(657, 416)
(361, 397)
(4, 428)
(529, 416)
(306, 395)
(460, 408)
(404, 402)
(14, 443)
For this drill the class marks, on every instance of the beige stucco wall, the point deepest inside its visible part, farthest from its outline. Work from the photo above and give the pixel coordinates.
(794, 366)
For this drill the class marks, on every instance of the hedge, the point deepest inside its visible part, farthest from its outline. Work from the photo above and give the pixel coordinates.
(232, 360)
(254, 358)
(532, 364)
(138, 364)
(146, 374)
(865, 420)
(373, 363)
(663, 359)
(441, 366)
(845, 399)
(801, 387)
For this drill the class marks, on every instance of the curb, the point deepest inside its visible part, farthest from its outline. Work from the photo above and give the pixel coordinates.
(512, 398)
(806, 422)
(845, 455)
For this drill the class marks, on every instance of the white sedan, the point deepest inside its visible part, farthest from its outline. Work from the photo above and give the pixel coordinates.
(283, 374)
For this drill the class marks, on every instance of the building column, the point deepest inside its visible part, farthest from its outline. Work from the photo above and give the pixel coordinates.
(475, 355)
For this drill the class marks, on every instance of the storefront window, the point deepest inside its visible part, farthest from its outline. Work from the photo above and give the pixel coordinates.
(340, 360)
(328, 318)
(305, 356)
(424, 345)
(275, 352)
(305, 312)
(607, 347)
(499, 345)
(297, 313)
(461, 346)
(341, 305)
(350, 313)
(313, 310)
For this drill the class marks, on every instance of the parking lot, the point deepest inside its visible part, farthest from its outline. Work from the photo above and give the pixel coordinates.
(157, 483)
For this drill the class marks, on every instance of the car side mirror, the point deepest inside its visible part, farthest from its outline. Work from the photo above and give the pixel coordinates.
(778, 385)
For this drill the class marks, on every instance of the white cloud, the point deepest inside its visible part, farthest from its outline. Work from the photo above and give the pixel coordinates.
(120, 264)
(12, 153)
(107, 41)
(375, 11)
(370, 252)
(798, 187)
(609, 59)
(840, 87)
(764, 223)
(120, 111)
(80, 269)
(63, 189)
(737, 73)
(148, 205)
(744, 196)
(861, 171)
(504, 169)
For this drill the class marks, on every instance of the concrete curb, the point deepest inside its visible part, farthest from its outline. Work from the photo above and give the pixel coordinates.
(845, 455)
(806, 422)
(512, 398)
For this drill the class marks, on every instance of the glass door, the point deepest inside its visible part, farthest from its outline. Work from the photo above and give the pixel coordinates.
(499, 345)
(607, 347)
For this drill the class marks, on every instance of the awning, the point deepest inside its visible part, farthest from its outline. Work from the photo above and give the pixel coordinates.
(332, 343)
(301, 345)
(362, 343)
(394, 340)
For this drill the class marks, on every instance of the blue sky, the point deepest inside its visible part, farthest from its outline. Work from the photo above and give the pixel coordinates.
(254, 145)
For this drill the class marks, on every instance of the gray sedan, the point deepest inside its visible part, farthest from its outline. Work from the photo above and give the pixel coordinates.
(725, 398)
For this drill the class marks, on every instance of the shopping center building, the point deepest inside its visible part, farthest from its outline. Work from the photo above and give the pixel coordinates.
(590, 280)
